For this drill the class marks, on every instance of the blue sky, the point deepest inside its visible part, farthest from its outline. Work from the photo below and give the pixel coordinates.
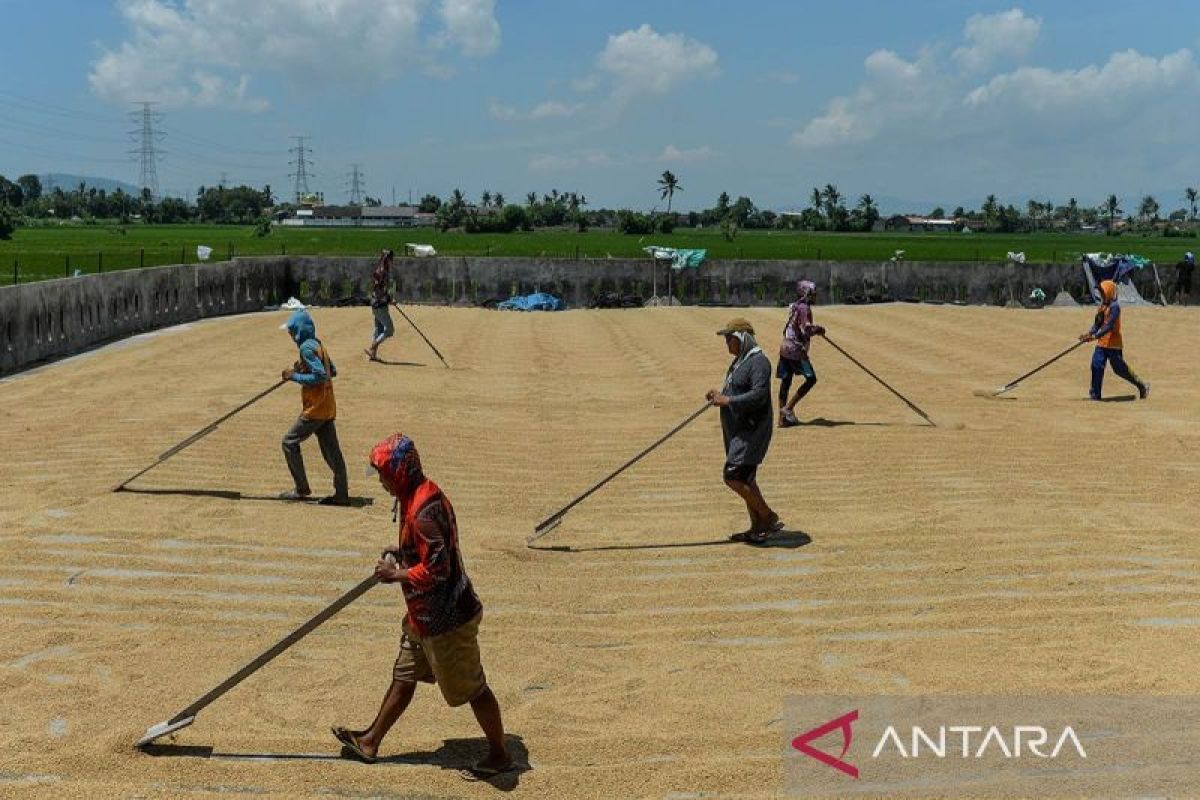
(917, 103)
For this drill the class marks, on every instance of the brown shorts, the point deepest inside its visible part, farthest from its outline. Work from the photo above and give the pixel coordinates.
(451, 660)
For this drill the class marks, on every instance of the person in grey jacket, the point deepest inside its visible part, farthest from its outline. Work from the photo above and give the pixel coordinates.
(745, 403)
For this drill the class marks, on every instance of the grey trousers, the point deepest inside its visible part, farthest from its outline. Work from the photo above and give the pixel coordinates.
(326, 432)
(383, 324)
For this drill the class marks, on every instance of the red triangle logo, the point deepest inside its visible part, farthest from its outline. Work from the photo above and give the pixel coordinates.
(802, 743)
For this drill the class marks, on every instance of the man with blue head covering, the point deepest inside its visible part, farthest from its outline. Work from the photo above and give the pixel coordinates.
(314, 371)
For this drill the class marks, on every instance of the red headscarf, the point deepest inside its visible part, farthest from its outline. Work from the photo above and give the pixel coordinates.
(396, 458)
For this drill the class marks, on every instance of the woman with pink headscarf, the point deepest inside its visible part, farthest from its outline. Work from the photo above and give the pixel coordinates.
(793, 352)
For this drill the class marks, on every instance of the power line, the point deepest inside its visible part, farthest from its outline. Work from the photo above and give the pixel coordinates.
(356, 184)
(41, 107)
(146, 153)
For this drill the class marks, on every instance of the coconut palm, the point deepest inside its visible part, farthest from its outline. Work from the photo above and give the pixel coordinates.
(1148, 208)
(833, 199)
(1191, 194)
(668, 185)
(1112, 207)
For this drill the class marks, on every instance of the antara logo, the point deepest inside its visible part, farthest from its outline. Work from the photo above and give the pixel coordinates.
(843, 722)
(949, 741)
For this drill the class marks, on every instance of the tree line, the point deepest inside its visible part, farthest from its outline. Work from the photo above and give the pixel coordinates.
(26, 200)
(827, 210)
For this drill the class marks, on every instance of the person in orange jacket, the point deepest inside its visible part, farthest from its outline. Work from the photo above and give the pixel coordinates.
(1106, 333)
(314, 371)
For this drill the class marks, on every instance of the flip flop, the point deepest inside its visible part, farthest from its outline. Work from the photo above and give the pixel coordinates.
(350, 745)
(480, 772)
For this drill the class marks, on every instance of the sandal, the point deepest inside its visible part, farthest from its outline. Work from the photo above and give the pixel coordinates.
(350, 745)
(483, 772)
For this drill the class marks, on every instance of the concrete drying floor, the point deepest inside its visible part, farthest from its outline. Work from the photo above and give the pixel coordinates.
(1038, 543)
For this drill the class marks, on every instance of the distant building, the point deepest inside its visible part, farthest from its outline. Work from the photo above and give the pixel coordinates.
(404, 216)
(900, 222)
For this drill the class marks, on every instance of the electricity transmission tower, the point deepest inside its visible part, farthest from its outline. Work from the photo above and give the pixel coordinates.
(146, 153)
(301, 164)
(356, 184)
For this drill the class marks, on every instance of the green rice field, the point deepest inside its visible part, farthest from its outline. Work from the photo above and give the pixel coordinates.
(49, 252)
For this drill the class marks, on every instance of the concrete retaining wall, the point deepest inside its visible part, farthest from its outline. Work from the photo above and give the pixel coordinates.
(474, 280)
(50, 319)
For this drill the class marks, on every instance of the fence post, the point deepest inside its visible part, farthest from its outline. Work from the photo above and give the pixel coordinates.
(16, 271)
(67, 268)
(142, 257)
(183, 254)
(283, 249)
(100, 261)
(230, 252)
(576, 252)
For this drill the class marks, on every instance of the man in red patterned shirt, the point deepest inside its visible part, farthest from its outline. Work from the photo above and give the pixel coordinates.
(381, 298)
(440, 641)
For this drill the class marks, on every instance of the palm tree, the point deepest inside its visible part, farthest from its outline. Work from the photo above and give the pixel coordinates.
(833, 199)
(1191, 195)
(457, 199)
(1112, 207)
(866, 207)
(815, 199)
(668, 185)
(1148, 208)
(991, 211)
(485, 199)
(531, 199)
(498, 200)
(1033, 210)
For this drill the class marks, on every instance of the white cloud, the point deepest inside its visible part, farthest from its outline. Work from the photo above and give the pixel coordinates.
(936, 118)
(586, 158)
(548, 109)
(203, 52)
(991, 38)
(645, 62)
(1125, 80)
(783, 76)
(685, 155)
(471, 24)
(894, 92)
(559, 162)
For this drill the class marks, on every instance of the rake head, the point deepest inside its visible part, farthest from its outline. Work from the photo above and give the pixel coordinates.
(543, 529)
(162, 729)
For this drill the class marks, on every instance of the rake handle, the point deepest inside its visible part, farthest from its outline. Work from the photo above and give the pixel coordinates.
(421, 333)
(198, 435)
(271, 653)
(881, 381)
(550, 520)
(1039, 367)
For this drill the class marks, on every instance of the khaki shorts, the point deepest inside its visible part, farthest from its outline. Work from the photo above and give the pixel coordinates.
(451, 660)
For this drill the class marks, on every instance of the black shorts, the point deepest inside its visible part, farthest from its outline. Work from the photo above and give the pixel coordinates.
(742, 473)
(787, 367)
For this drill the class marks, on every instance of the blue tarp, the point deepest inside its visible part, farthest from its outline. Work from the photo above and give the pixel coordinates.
(539, 301)
(1117, 267)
